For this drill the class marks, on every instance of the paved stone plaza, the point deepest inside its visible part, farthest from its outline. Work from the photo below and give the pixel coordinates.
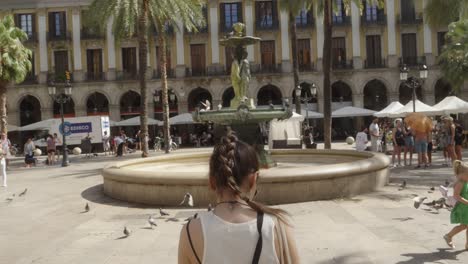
(48, 225)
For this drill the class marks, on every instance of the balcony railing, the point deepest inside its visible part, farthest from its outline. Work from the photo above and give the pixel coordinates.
(413, 60)
(32, 38)
(62, 36)
(195, 72)
(91, 34)
(380, 63)
(124, 75)
(263, 25)
(410, 19)
(30, 79)
(95, 76)
(342, 65)
(308, 24)
(380, 19)
(58, 77)
(268, 68)
(341, 21)
(226, 28)
(170, 73)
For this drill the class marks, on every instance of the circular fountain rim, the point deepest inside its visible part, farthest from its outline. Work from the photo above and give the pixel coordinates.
(370, 161)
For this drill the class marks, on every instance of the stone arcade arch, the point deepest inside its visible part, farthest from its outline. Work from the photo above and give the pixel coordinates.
(442, 89)
(68, 109)
(269, 94)
(375, 95)
(341, 92)
(197, 96)
(30, 110)
(97, 104)
(130, 103)
(228, 95)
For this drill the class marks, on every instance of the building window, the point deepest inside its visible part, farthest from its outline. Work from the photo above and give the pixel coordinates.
(26, 23)
(440, 41)
(198, 57)
(129, 63)
(303, 54)
(407, 10)
(409, 49)
(169, 71)
(57, 24)
(266, 15)
(339, 14)
(339, 51)
(267, 51)
(304, 18)
(94, 64)
(231, 13)
(61, 64)
(374, 51)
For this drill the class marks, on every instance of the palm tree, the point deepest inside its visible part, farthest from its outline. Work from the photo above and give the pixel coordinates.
(293, 8)
(453, 60)
(15, 62)
(133, 17)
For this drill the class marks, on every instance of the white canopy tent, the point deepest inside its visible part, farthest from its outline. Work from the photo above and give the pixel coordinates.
(352, 111)
(12, 128)
(420, 108)
(390, 109)
(452, 105)
(135, 121)
(182, 119)
(311, 114)
(288, 129)
(38, 125)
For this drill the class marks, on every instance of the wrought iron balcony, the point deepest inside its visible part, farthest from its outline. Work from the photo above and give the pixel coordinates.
(341, 21)
(379, 20)
(306, 67)
(413, 60)
(87, 33)
(94, 76)
(309, 23)
(266, 25)
(342, 65)
(32, 38)
(125, 75)
(170, 73)
(412, 19)
(59, 36)
(30, 79)
(376, 64)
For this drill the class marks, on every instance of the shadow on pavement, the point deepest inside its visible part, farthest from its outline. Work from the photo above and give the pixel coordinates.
(431, 257)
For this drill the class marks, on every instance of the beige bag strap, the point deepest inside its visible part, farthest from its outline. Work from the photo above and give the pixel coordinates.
(285, 256)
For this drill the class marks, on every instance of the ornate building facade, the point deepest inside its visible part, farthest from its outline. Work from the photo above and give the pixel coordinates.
(367, 47)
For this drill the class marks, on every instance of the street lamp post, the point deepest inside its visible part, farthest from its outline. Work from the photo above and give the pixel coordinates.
(62, 98)
(413, 82)
(305, 99)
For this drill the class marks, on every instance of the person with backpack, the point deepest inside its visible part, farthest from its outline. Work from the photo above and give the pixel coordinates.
(238, 230)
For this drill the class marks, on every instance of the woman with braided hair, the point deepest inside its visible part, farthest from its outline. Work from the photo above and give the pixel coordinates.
(238, 230)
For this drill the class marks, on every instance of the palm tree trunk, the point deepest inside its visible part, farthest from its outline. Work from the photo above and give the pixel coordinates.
(143, 64)
(292, 22)
(165, 99)
(327, 57)
(3, 110)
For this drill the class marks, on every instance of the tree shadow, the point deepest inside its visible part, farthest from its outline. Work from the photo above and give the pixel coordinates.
(349, 258)
(431, 257)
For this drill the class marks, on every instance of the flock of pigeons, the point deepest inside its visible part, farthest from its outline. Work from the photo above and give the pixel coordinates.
(434, 204)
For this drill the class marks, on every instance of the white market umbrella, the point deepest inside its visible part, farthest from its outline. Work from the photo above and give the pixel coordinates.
(420, 108)
(12, 128)
(182, 119)
(38, 125)
(112, 123)
(452, 105)
(392, 108)
(352, 111)
(135, 121)
(311, 114)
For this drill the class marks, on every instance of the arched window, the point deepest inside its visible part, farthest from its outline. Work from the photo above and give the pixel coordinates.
(30, 110)
(375, 95)
(130, 103)
(269, 94)
(197, 96)
(97, 104)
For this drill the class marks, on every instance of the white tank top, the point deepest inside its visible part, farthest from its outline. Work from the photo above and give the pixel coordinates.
(230, 243)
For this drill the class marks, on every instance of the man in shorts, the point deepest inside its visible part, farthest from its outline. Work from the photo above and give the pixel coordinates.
(51, 149)
(420, 145)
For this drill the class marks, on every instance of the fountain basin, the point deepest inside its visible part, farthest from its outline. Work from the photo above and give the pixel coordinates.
(301, 175)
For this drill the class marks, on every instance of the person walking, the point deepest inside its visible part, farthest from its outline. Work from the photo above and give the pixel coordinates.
(105, 143)
(459, 213)
(5, 145)
(361, 139)
(398, 140)
(409, 146)
(29, 148)
(51, 149)
(374, 132)
(238, 230)
(450, 138)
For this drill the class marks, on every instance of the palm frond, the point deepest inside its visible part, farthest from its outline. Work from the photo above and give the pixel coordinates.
(442, 12)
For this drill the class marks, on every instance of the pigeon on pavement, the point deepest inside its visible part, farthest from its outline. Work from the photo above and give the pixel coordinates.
(23, 192)
(87, 207)
(126, 231)
(418, 200)
(210, 208)
(162, 213)
(188, 198)
(402, 185)
(151, 221)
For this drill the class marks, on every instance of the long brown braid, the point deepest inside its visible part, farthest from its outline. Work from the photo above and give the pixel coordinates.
(231, 162)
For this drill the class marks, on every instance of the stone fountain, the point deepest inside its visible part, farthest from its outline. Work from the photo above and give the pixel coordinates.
(288, 176)
(242, 116)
